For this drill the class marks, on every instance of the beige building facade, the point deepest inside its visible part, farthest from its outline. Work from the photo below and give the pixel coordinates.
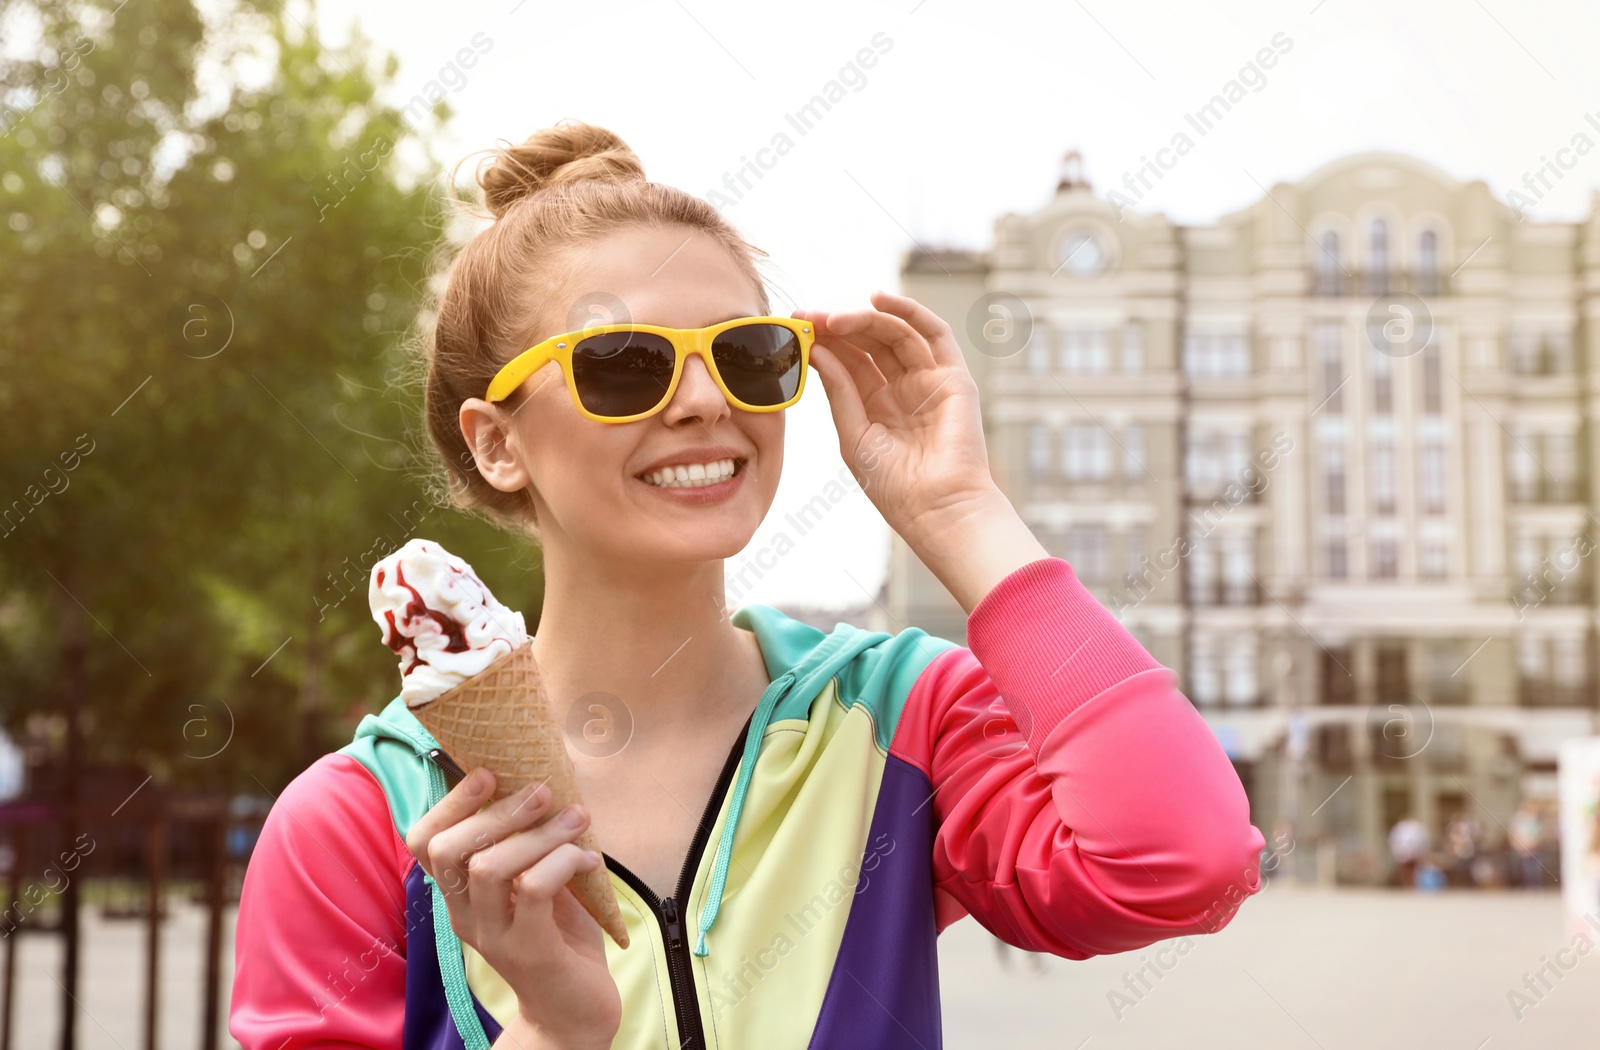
(1331, 458)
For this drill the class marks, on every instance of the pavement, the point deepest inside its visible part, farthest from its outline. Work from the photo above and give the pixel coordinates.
(1297, 968)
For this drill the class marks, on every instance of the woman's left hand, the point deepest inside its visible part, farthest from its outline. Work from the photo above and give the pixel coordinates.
(906, 409)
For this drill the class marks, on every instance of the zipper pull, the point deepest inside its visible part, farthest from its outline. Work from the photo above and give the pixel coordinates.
(674, 930)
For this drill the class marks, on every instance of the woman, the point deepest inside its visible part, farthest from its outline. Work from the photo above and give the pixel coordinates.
(796, 814)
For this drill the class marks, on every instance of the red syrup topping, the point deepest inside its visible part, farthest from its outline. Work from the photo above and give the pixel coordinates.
(417, 609)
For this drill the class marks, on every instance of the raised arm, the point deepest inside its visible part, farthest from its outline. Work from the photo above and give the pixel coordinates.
(1083, 805)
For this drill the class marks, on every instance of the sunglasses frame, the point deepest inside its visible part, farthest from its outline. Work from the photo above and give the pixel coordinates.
(685, 341)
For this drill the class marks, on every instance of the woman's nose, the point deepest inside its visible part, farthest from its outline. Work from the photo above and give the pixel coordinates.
(697, 396)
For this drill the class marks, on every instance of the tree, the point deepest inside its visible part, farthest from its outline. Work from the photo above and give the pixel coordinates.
(206, 448)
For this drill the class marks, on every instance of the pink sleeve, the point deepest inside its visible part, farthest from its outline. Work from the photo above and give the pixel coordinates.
(319, 948)
(1083, 805)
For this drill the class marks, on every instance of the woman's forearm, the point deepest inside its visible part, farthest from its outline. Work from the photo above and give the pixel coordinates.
(972, 546)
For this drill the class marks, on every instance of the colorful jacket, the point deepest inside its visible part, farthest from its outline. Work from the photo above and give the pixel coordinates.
(1051, 781)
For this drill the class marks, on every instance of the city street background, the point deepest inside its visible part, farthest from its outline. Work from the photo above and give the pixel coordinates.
(1298, 968)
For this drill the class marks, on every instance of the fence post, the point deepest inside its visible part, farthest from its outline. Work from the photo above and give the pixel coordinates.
(217, 830)
(155, 851)
(19, 864)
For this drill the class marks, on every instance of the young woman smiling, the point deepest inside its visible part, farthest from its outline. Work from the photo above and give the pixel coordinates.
(797, 814)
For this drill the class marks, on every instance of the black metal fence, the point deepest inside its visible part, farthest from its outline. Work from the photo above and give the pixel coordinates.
(56, 862)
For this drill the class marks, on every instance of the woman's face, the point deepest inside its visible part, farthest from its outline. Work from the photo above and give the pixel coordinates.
(598, 486)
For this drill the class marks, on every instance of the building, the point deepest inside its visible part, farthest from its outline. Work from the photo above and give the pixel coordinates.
(1331, 458)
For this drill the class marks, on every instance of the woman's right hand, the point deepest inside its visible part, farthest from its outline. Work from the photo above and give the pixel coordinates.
(504, 884)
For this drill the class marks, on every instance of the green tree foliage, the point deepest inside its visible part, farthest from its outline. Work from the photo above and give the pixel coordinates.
(206, 292)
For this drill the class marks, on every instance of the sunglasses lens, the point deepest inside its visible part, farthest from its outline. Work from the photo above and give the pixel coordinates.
(622, 373)
(760, 363)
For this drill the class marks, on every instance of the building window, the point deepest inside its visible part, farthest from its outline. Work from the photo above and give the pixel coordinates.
(1540, 350)
(1085, 351)
(1561, 466)
(1446, 683)
(1382, 383)
(1241, 670)
(1333, 470)
(1088, 551)
(1133, 346)
(1204, 686)
(1330, 343)
(1039, 350)
(1385, 558)
(1337, 684)
(1202, 571)
(1378, 268)
(1523, 466)
(1038, 451)
(1338, 558)
(1554, 671)
(1328, 265)
(1433, 558)
(1238, 568)
(1393, 681)
(1432, 382)
(1216, 355)
(1569, 663)
(1383, 481)
(1428, 263)
(1133, 454)
(1430, 478)
(1087, 453)
(1133, 556)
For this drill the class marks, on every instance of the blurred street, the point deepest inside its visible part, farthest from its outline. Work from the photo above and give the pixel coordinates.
(1341, 970)
(1353, 969)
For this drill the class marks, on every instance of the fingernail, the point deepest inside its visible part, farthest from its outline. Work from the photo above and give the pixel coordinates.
(572, 817)
(592, 855)
(478, 781)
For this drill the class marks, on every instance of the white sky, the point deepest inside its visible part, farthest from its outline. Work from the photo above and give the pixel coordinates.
(966, 117)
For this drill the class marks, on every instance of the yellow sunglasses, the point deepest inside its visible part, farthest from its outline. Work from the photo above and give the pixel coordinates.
(618, 373)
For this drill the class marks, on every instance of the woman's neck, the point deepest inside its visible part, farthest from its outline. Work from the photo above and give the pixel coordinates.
(659, 639)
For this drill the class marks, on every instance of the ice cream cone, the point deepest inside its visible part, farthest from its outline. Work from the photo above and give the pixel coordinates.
(500, 718)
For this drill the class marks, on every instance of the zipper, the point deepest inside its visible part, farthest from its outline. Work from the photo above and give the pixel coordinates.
(446, 763)
(670, 912)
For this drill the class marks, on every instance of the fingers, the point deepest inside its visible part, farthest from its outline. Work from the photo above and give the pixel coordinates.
(461, 802)
(554, 870)
(929, 325)
(844, 394)
(450, 850)
(885, 336)
(492, 872)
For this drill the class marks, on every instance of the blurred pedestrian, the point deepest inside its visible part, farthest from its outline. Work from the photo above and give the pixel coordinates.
(1463, 834)
(1526, 837)
(1408, 843)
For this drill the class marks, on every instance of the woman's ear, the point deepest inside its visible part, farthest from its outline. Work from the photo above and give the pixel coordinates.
(493, 443)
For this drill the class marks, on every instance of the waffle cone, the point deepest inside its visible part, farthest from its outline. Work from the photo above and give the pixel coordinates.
(501, 719)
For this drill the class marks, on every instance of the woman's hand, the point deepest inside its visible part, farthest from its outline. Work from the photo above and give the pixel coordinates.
(504, 883)
(910, 429)
(906, 409)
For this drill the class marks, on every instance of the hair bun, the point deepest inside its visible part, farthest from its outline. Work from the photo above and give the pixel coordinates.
(568, 152)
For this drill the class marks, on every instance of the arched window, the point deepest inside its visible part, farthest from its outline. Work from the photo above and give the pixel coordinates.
(1378, 264)
(1428, 263)
(1328, 266)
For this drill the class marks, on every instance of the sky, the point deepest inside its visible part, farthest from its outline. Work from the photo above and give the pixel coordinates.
(964, 115)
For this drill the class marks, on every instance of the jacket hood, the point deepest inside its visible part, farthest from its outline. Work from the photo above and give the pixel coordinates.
(791, 648)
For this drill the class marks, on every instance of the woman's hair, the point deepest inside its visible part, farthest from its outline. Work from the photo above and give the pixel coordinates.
(565, 186)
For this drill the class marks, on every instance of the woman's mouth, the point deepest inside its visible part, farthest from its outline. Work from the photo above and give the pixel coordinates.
(691, 475)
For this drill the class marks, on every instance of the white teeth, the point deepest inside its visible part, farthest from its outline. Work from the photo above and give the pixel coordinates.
(691, 475)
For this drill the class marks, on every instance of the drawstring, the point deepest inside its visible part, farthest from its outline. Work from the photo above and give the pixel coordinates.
(452, 967)
(747, 765)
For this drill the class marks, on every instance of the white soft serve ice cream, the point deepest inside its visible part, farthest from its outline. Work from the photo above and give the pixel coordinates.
(440, 618)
